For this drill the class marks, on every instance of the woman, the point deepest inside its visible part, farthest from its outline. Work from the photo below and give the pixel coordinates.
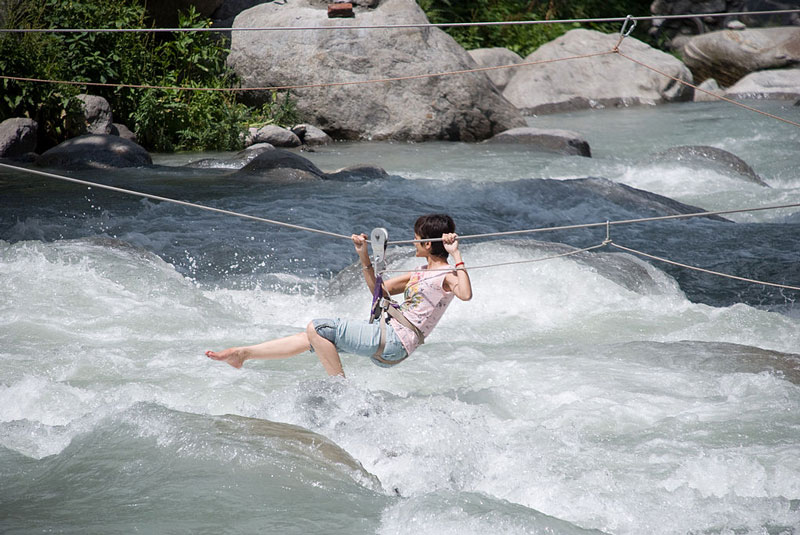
(427, 291)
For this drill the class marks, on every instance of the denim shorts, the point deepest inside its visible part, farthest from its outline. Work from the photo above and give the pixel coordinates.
(361, 338)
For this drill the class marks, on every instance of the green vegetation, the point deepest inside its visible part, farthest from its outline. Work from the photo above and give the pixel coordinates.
(169, 120)
(524, 39)
(164, 120)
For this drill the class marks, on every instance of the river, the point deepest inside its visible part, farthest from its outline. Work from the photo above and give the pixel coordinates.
(597, 393)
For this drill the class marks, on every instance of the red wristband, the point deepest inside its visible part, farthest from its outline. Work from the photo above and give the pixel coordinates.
(460, 264)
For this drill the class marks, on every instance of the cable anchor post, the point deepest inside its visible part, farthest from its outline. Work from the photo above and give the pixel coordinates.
(608, 233)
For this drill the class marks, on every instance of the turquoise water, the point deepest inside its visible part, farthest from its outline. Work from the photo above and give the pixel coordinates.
(597, 393)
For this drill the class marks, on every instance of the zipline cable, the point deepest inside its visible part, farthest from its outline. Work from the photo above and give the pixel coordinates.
(604, 223)
(703, 270)
(607, 224)
(174, 201)
(400, 26)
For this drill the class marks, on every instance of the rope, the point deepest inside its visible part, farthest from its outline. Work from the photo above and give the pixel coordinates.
(398, 26)
(696, 88)
(175, 201)
(562, 255)
(717, 273)
(603, 223)
(308, 86)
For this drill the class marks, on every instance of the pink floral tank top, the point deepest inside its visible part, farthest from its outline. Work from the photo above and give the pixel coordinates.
(424, 303)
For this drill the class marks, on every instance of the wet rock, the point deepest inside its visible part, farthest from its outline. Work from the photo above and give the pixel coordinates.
(466, 107)
(95, 151)
(556, 141)
(599, 81)
(705, 155)
(17, 137)
(281, 165)
(359, 172)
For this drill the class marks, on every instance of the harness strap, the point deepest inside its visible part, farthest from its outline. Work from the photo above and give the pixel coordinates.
(387, 306)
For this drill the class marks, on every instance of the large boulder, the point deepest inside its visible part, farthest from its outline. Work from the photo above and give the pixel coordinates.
(95, 151)
(557, 141)
(673, 31)
(17, 137)
(729, 55)
(464, 107)
(777, 84)
(599, 81)
(496, 57)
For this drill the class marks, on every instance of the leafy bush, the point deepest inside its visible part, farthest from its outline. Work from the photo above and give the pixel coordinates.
(164, 120)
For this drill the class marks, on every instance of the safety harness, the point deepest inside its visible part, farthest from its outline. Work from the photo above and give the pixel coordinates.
(383, 308)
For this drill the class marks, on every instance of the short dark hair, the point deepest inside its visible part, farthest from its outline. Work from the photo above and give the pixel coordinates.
(433, 226)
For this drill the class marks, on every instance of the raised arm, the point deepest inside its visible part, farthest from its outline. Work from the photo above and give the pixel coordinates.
(392, 286)
(457, 282)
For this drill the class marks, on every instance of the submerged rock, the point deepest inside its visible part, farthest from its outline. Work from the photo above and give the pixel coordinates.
(95, 151)
(705, 155)
(557, 141)
(599, 81)
(637, 199)
(464, 107)
(279, 164)
(359, 172)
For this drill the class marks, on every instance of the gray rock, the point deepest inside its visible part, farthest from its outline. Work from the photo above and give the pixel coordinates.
(463, 107)
(241, 159)
(97, 111)
(600, 81)
(311, 135)
(275, 136)
(557, 141)
(17, 137)
(774, 84)
(122, 131)
(729, 55)
(281, 165)
(711, 86)
(359, 172)
(638, 199)
(95, 151)
(704, 156)
(496, 57)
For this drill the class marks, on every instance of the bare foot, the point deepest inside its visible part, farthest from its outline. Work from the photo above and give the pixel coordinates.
(233, 356)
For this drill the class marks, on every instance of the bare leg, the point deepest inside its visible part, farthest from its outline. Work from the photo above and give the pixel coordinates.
(325, 350)
(281, 348)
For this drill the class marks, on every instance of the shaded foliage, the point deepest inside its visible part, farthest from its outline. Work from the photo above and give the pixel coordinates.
(164, 120)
